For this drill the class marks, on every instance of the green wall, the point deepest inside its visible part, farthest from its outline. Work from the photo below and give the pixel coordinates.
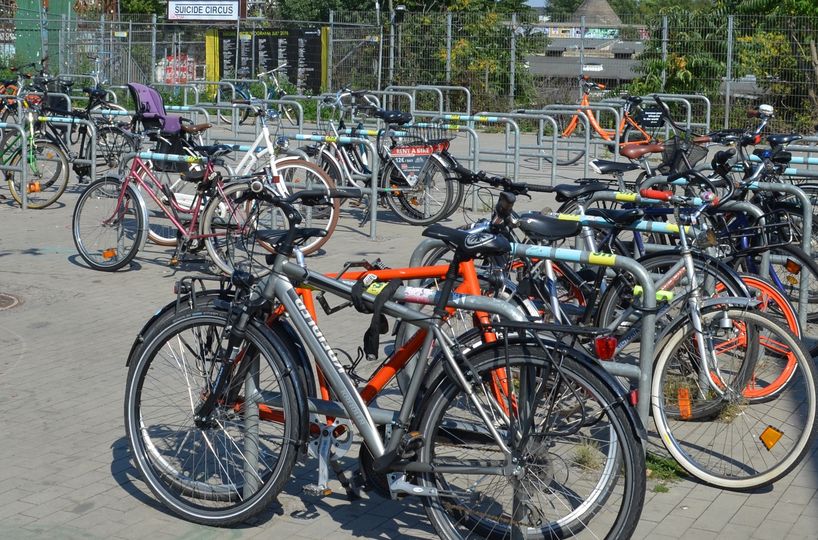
(28, 39)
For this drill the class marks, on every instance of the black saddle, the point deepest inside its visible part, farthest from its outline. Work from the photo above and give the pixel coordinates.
(214, 150)
(393, 117)
(621, 217)
(566, 192)
(469, 244)
(605, 166)
(781, 139)
(544, 228)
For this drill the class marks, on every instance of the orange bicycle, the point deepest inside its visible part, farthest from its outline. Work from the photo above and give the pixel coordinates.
(637, 126)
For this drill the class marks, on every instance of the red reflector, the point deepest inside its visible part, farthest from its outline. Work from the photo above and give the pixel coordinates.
(757, 139)
(633, 397)
(605, 347)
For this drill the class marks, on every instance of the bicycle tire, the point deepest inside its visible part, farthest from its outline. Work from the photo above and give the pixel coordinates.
(412, 204)
(589, 441)
(234, 489)
(47, 175)
(98, 203)
(748, 442)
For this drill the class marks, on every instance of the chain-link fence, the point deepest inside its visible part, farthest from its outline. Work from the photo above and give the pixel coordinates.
(506, 60)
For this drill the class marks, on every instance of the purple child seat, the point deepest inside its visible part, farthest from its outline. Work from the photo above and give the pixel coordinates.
(150, 110)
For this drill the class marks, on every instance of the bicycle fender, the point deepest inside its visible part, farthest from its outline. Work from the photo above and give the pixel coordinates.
(170, 307)
(290, 338)
(291, 371)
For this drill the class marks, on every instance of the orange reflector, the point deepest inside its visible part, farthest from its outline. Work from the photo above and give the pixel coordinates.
(33, 187)
(684, 404)
(770, 436)
(792, 280)
(633, 397)
(605, 347)
(108, 253)
(792, 266)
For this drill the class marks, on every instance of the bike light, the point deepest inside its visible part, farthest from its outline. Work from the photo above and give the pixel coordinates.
(792, 266)
(605, 347)
(633, 397)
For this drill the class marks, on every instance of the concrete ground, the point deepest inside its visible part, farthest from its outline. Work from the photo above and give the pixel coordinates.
(65, 467)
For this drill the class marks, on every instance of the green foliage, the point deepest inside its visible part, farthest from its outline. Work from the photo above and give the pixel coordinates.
(143, 6)
(663, 468)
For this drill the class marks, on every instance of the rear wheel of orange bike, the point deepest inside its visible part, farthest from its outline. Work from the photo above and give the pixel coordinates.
(570, 142)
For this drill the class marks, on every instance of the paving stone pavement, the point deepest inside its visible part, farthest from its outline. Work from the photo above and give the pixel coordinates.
(65, 468)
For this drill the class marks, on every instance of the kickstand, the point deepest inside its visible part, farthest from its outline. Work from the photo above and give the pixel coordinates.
(352, 479)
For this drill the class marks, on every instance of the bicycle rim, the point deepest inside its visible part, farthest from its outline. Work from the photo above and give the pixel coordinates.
(739, 443)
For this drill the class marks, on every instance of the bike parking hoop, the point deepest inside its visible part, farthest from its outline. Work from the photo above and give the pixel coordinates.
(184, 87)
(92, 133)
(217, 91)
(797, 160)
(438, 91)
(596, 108)
(375, 170)
(511, 153)
(23, 167)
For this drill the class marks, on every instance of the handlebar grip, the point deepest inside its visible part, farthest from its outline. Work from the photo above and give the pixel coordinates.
(656, 194)
(346, 193)
(702, 139)
(540, 189)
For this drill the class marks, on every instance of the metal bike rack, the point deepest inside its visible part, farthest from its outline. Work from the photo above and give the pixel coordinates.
(23, 167)
(375, 166)
(184, 87)
(598, 108)
(250, 83)
(492, 118)
(798, 160)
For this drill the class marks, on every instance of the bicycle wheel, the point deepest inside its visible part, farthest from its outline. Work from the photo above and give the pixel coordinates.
(570, 146)
(108, 231)
(428, 201)
(643, 135)
(299, 175)
(47, 175)
(581, 469)
(740, 443)
(227, 467)
(229, 226)
(112, 143)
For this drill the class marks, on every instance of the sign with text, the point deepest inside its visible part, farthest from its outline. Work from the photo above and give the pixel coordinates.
(265, 49)
(203, 10)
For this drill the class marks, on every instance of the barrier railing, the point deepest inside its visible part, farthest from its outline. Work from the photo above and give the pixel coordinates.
(22, 168)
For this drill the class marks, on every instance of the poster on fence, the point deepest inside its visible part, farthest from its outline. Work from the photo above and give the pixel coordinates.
(301, 49)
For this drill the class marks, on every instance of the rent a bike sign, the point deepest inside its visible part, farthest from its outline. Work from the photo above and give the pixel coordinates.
(203, 10)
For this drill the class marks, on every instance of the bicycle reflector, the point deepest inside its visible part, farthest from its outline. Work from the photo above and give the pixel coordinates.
(770, 436)
(792, 266)
(605, 347)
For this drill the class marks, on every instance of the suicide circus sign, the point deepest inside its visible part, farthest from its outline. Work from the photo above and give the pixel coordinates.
(203, 10)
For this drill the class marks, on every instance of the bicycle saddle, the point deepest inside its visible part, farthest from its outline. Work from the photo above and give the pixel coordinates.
(469, 244)
(781, 139)
(567, 192)
(617, 216)
(95, 92)
(214, 150)
(393, 117)
(273, 237)
(67, 83)
(605, 166)
(544, 228)
(635, 151)
(195, 128)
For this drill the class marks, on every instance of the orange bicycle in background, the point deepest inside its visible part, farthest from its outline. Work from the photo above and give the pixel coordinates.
(637, 125)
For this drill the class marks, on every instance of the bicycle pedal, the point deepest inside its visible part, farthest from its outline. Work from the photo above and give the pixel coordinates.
(314, 490)
(409, 445)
